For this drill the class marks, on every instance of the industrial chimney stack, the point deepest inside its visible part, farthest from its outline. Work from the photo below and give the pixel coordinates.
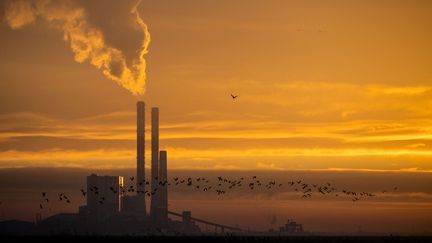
(140, 182)
(154, 163)
(163, 198)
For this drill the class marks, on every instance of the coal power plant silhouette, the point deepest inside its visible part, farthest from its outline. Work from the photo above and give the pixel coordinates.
(111, 209)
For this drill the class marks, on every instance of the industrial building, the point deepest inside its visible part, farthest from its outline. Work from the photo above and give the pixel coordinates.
(291, 227)
(103, 197)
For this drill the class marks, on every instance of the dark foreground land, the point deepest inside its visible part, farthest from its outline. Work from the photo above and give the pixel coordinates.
(222, 239)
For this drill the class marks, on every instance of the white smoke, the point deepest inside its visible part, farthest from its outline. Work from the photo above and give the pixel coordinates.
(86, 41)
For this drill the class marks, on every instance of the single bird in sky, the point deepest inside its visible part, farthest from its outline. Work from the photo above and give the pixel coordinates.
(234, 96)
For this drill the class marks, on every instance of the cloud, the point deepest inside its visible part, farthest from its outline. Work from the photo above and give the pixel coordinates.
(30, 138)
(398, 90)
(267, 166)
(376, 170)
(417, 145)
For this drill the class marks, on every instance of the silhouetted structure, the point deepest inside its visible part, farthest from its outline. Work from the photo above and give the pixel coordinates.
(163, 189)
(16, 227)
(140, 182)
(154, 163)
(291, 228)
(103, 197)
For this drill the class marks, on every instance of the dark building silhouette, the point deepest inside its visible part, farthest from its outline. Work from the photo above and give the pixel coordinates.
(16, 227)
(103, 199)
(291, 227)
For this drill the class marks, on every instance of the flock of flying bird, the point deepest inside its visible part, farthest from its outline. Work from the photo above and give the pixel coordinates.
(223, 185)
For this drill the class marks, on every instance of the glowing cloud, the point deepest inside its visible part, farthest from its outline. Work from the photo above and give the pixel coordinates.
(86, 42)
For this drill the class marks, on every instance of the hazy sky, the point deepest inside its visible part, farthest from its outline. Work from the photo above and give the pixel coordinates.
(328, 85)
(407, 209)
(321, 84)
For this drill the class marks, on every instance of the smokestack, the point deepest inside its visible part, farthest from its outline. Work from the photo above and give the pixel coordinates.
(154, 162)
(163, 199)
(140, 182)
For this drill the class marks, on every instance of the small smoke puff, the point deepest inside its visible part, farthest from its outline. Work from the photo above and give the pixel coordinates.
(19, 13)
(86, 42)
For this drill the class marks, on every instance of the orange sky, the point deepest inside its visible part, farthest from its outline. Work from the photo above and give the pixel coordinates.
(322, 85)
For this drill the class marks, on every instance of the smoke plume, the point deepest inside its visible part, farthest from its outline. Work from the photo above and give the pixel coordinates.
(86, 42)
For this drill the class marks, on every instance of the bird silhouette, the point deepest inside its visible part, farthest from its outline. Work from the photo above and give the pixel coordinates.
(234, 96)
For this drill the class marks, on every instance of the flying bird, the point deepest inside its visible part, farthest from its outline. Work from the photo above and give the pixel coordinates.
(234, 96)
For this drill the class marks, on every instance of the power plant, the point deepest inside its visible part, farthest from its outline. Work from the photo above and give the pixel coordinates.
(109, 200)
(113, 208)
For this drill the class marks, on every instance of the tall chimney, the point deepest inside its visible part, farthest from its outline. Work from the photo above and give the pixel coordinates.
(163, 198)
(154, 163)
(140, 182)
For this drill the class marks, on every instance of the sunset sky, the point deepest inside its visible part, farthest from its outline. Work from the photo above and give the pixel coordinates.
(323, 85)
